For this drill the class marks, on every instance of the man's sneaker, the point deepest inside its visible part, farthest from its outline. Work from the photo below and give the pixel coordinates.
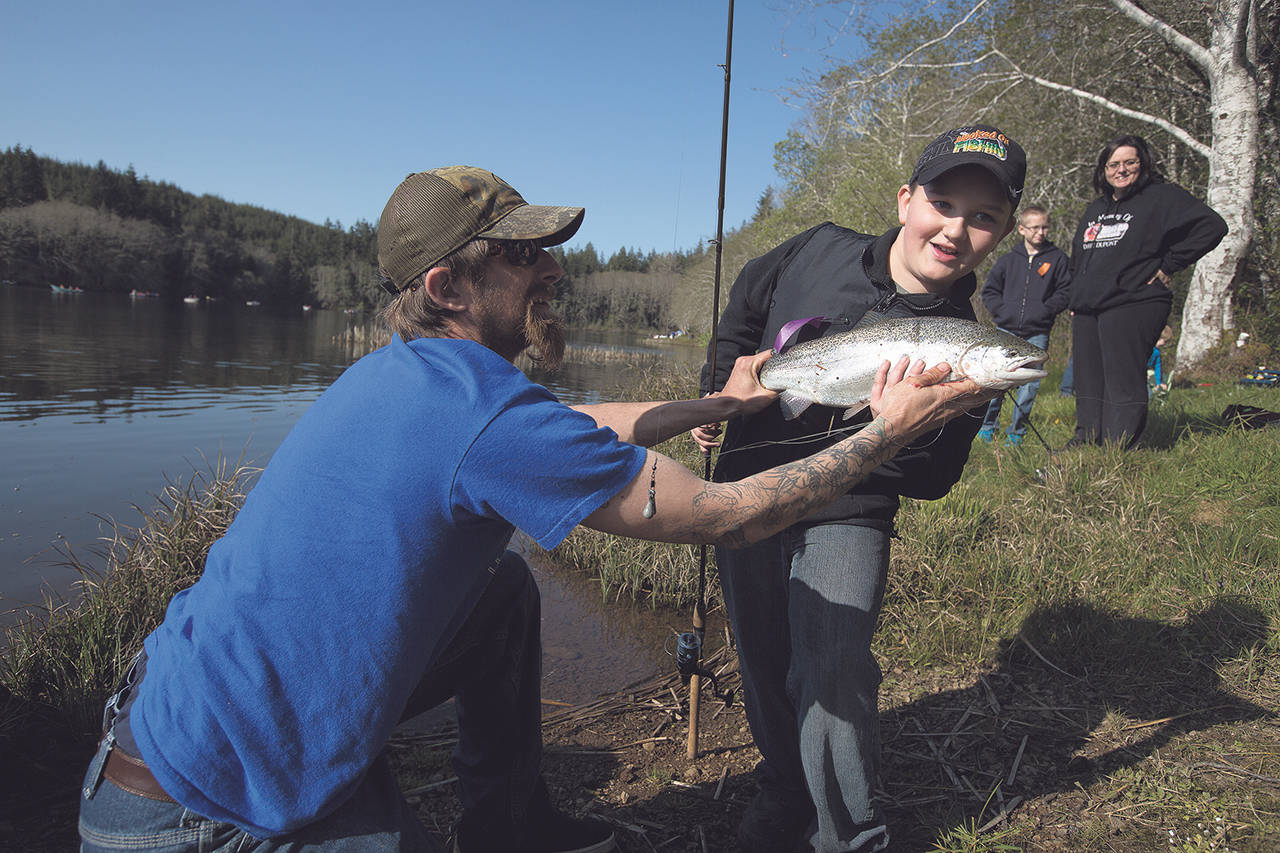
(775, 822)
(986, 435)
(1012, 440)
(546, 831)
(556, 832)
(1073, 443)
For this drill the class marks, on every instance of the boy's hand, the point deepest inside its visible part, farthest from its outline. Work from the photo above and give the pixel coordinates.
(744, 384)
(707, 437)
(744, 391)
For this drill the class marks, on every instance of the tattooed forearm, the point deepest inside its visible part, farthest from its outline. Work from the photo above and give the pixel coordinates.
(751, 509)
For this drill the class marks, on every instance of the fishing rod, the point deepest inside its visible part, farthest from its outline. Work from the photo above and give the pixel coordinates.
(690, 642)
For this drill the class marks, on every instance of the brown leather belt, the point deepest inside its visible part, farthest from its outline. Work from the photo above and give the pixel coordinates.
(132, 775)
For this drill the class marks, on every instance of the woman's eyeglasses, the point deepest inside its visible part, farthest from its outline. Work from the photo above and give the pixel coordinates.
(519, 253)
(1114, 165)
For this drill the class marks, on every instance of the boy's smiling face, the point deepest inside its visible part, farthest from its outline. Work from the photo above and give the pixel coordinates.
(948, 226)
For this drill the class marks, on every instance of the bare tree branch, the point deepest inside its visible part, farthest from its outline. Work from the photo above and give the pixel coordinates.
(1177, 40)
(1169, 127)
(902, 62)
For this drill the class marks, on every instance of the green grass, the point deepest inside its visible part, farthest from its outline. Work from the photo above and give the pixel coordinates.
(1189, 518)
(1120, 608)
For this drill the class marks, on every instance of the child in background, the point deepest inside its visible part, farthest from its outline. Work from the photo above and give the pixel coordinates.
(1155, 372)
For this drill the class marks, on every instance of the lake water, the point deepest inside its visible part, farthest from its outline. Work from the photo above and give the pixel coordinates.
(104, 399)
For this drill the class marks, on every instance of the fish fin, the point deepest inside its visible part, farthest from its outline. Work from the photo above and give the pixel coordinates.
(793, 404)
(855, 410)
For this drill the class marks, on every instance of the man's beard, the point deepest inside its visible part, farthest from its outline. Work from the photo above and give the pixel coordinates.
(544, 336)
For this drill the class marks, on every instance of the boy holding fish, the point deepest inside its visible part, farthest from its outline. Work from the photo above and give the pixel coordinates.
(804, 601)
(367, 578)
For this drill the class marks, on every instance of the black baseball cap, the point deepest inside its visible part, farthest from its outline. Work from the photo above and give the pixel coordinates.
(979, 145)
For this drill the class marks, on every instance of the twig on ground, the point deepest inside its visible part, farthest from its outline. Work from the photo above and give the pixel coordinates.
(1004, 813)
(1174, 717)
(724, 774)
(1036, 652)
(1231, 768)
(421, 789)
(1017, 759)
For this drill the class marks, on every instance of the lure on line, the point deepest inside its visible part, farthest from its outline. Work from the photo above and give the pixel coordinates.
(651, 507)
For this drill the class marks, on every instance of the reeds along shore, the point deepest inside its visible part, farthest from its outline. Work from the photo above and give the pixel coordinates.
(364, 338)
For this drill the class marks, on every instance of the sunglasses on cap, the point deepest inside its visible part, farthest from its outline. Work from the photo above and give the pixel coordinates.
(519, 253)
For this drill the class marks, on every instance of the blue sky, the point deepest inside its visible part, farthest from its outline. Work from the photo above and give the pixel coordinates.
(319, 109)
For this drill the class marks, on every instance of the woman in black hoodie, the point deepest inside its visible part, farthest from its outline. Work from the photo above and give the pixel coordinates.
(1131, 239)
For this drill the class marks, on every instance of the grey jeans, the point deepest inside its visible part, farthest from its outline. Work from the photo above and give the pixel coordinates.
(804, 605)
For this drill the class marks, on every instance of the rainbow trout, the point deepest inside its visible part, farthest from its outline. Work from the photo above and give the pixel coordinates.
(839, 370)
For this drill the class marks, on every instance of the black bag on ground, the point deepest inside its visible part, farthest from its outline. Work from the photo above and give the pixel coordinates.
(1249, 417)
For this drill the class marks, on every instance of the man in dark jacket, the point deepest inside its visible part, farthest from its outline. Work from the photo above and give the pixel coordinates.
(1025, 290)
(804, 602)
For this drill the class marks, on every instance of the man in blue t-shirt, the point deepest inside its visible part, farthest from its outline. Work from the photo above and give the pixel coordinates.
(366, 578)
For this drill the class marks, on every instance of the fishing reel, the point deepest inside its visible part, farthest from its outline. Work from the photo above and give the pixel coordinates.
(688, 663)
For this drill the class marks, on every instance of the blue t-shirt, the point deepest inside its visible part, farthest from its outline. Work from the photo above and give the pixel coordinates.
(275, 680)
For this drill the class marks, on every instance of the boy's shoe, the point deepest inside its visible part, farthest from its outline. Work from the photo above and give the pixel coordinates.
(986, 435)
(1012, 440)
(775, 822)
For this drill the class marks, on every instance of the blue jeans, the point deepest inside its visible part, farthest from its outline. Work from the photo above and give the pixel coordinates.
(493, 666)
(804, 605)
(1026, 395)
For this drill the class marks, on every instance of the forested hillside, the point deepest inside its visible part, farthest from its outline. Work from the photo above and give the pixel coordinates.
(100, 229)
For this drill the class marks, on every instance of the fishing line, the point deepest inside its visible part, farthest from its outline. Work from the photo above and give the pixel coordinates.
(818, 436)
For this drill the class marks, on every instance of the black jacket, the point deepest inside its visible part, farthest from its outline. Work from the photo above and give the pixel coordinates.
(1025, 292)
(1119, 245)
(840, 274)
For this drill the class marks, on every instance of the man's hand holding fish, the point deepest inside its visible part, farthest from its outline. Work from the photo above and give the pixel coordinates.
(912, 401)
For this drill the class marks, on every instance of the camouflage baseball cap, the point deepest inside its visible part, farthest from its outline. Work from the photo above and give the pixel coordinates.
(434, 213)
(979, 145)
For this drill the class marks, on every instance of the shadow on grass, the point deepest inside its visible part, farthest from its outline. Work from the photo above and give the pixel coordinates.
(1078, 693)
(39, 796)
